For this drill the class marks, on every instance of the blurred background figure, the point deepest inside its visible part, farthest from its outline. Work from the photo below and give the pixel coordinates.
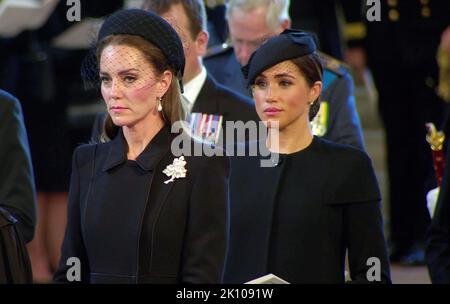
(438, 237)
(324, 18)
(45, 75)
(17, 194)
(400, 51)
(17, 189)
(217, 23)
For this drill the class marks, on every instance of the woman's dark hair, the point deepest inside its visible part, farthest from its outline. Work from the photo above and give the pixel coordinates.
(311, 67)
(171, 102)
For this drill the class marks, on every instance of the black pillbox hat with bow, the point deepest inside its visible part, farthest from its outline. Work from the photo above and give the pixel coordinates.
(151, 27)
(288, 45)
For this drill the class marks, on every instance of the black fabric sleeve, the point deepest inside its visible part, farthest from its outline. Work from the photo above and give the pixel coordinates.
(17, 189)
(364, 228)
(73, 245)
(207, 232)
(366, 243)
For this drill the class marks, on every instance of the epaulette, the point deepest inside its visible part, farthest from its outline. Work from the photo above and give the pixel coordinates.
(218, 50)
(334, 65)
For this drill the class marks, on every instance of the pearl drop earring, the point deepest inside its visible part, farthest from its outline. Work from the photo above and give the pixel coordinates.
(160, 108)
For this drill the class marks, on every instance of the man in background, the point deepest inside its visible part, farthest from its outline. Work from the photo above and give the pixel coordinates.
(17, 190)
(17, 194)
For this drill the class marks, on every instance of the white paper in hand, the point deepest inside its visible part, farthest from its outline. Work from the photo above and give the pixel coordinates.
(268, 279)
(432, 197)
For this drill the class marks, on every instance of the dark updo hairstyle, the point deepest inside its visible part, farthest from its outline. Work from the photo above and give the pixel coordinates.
(311, 67)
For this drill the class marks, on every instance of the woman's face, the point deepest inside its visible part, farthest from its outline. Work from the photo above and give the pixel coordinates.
(282, 95)
(130, 86)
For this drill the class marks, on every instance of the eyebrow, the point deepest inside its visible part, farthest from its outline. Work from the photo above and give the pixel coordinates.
(284, 75)
(278, 75)
(121, 72)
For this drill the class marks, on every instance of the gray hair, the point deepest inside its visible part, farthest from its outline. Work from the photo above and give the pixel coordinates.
(277, 10)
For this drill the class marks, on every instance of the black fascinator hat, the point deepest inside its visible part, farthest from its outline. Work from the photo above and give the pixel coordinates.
(288, 45)
(147, 25)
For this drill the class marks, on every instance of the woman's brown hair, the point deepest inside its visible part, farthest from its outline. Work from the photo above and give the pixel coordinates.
(311, 67)
(172, 107)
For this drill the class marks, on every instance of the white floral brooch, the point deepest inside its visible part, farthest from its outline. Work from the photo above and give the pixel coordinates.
(176, 169)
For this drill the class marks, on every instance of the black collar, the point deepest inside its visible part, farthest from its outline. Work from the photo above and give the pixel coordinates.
(148, 159)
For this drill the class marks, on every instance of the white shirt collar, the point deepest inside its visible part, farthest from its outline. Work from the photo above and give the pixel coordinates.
(193, 87)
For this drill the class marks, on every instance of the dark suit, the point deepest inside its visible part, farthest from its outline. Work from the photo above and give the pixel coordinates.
(17, 190)
(297, 219)
(127, 226)
(214, 98)
(343, 125)
(438, 236)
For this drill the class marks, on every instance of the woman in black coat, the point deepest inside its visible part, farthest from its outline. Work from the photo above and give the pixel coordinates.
(138, 213)
(298, 218)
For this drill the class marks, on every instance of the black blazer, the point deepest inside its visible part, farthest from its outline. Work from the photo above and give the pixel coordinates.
(17, 189)
(142, 230)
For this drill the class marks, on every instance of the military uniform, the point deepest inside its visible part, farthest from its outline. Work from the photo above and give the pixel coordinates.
(401, 51)
(337, 119)
(322, 18)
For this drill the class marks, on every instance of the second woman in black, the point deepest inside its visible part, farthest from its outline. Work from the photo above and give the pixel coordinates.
(298, 218)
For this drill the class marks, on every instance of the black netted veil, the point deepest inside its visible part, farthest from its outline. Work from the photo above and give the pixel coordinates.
(141, 23)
